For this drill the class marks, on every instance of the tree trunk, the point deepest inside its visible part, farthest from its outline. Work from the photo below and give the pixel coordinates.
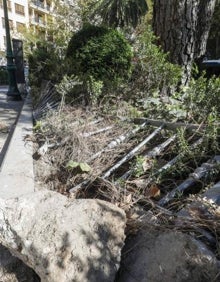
(182, 27)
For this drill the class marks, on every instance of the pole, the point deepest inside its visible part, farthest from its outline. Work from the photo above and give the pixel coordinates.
(13, 91)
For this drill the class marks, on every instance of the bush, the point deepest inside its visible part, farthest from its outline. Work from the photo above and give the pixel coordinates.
(152, 72)
(199, 102)
(45, 64)
(100, 53)
(201, 98)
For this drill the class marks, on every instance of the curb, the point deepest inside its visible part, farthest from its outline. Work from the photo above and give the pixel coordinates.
(17, 174)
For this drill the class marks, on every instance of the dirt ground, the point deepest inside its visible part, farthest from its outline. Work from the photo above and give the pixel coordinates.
(75, 149)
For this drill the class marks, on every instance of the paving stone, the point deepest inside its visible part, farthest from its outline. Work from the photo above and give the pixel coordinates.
(9, 111)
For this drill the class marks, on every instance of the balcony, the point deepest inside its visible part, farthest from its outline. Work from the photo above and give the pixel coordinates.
(41, 6)
(38, 21)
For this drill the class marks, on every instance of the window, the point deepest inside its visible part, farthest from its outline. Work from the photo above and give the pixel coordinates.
(10, 23)
(19, 9)
(39, 19)
(8, 5)
(20, 26)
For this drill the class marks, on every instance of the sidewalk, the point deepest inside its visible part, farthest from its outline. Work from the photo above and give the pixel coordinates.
(16, 163)
(9, 111)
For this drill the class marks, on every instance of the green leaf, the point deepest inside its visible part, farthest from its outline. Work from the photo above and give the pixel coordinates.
(84, 167)
(71, 164)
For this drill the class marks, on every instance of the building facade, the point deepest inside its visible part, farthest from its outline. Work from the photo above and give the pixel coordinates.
(24, 14)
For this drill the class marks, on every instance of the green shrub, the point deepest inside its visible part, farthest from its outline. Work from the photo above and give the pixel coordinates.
(99, 53)
(201, 98)
(45, 64)
(152, 72)
(198, 102)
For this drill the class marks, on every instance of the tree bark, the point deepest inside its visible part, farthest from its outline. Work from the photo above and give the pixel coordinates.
(182, 27)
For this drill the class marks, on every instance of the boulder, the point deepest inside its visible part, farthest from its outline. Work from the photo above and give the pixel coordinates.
(161, 255)
(64, 240)
(14, 270)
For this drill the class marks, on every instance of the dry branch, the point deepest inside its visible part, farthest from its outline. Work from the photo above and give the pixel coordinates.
(114, 143)
(97, 131)
(132, 152)
(200, 173)
(173, 161)
(118, 141)
(171, 125)
(151, 154)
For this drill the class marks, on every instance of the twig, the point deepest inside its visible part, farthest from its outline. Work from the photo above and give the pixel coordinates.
(152, 154)
(111, 145)
(132, 152)
(97, 131)
(118, 141)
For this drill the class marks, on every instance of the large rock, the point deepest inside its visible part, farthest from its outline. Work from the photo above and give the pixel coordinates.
(156, 255)
(14, 270)
(64, 240)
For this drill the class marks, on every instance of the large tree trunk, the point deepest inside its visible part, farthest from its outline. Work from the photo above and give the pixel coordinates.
(183, 27)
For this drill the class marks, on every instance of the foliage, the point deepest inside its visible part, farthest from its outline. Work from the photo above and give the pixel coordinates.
(202, 98)
(100, 57)
(84, 167)
(152, 71)
(68, 20)
(38, 126)
(142, 164)
(45, 64)
(71, 89)
(46, 56)
(197, 103)
(58, 30)
(169, 108)
(30, 38)
(99, 52)
(119, 13)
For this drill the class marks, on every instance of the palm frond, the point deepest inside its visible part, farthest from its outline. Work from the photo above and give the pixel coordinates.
(120, 13)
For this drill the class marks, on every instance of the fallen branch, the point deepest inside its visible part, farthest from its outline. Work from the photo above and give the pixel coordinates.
(132, 152)
(200, 173)
(118, 141)
(172, 125)
(151, 154)
(97, 131)
(172, 162)
(111, 145)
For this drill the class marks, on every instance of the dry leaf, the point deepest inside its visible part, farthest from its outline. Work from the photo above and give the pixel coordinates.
(153, 191)
(140, 183)
(128, 199)
(147, 163)
(43, 149)
(127, 203)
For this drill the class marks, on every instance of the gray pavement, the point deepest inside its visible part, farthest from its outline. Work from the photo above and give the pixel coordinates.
(16, 163)
(9, 111)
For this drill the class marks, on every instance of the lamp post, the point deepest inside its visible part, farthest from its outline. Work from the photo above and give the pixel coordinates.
(13, 91)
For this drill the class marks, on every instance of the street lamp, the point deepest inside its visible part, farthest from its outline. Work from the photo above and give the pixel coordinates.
(13, 91)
